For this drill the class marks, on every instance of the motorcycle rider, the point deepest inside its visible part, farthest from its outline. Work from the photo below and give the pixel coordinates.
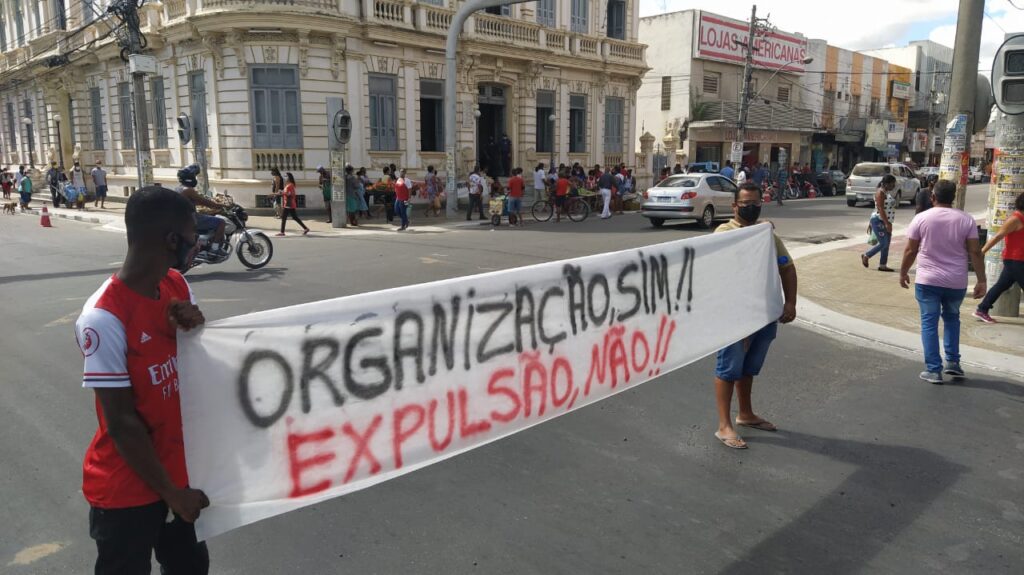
(205, 224)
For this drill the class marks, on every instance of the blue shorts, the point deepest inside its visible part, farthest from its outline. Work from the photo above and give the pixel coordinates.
(515, 205)
(101, 191)
(205, 223)
(735, 362)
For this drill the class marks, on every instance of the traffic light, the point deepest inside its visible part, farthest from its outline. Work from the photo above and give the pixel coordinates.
(342, 127)
(1008, 76)
(184, 129)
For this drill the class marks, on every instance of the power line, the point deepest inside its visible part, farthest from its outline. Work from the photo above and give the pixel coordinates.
(1010, 2)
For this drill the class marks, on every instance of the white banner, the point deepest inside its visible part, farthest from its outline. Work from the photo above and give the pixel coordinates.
(286, 408)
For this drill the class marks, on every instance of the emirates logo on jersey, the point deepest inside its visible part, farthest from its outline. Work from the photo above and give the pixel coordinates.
(90, 341)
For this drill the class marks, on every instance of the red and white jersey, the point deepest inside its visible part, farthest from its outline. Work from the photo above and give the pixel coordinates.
(128, 341)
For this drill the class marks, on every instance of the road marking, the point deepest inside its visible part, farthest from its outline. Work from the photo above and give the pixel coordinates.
(425, 260)
(30, 555)
(64, 320)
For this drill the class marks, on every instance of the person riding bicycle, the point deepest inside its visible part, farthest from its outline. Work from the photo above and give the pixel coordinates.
(205, 224)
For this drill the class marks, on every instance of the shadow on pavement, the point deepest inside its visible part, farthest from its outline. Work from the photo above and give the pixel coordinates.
(57, 275)
(842, 532)
(243, 275)
(1004, 387)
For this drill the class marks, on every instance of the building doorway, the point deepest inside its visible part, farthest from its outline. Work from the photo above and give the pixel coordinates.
(493, 146)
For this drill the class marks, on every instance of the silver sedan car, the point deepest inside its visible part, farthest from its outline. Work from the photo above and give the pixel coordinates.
(700, 197)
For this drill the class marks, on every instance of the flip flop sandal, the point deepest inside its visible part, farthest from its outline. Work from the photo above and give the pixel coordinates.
(763, 425)
(731, 442)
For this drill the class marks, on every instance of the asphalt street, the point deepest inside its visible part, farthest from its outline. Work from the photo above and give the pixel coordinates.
(873, 471)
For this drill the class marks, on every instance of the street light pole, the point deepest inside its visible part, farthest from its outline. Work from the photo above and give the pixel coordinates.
(60, 142)
(748, 72)
(30, 141)
(450, 93)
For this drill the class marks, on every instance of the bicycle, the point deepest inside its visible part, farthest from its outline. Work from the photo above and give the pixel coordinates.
(575, 208)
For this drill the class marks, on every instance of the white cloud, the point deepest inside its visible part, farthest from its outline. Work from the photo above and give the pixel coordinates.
(856, 25)
(992, 33)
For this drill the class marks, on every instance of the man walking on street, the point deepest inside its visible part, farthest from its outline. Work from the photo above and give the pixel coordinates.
(134, 476)
(476, 194)
(941, 240)
(727, 171)
(99, 179)
(53, 181)
(740, 362)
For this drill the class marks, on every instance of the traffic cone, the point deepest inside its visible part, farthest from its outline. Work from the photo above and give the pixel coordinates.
(44, 218)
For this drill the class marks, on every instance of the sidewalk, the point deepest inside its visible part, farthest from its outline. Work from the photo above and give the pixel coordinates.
(853, 299)
(113, 215)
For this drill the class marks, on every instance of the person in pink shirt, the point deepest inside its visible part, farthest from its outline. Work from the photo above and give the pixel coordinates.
(941, 240)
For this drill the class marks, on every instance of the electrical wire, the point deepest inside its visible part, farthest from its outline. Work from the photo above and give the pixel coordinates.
(1010, 2)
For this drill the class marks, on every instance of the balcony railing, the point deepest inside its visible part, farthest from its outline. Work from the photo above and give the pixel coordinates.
(390, 11)
(758, 116)
(507, 30)
(284, 160)
(174, 9)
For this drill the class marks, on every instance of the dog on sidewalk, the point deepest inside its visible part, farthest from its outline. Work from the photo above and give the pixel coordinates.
(9, 207)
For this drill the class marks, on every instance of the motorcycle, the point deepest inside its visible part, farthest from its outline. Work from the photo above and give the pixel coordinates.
(254, 248)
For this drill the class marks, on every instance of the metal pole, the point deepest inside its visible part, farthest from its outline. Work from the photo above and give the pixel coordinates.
(1003, 189)
(450, 104)
(956, 148)
(143, 161)
(60, 147)
(748, 72)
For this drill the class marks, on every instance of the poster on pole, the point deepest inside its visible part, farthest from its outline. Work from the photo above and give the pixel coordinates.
(736, 153)
(955, 155)
(290, 407)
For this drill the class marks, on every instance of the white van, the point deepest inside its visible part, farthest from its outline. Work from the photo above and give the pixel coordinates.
(866, 176)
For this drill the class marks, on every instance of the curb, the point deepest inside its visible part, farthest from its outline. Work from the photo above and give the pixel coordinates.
(74, 217)
(899, 342)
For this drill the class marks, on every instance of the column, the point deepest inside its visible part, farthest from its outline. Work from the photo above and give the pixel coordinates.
(562, 115)
(412, 132)
(597, 123)
(354, 81)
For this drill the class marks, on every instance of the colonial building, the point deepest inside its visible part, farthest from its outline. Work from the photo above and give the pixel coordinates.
(690, 99)
(555, 76)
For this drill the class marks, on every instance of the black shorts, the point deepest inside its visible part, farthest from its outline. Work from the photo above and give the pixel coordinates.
(560, 201)
(127, 538)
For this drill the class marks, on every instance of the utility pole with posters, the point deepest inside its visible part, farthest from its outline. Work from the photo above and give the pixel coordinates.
(1008, 167)
(960, 122)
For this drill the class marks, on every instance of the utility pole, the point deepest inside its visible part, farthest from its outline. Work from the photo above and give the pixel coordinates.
(956, 148)
(143, 160)
(748, 72)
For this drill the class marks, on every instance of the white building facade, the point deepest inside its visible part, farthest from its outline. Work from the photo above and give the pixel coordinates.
(255, 74)
(690, 98)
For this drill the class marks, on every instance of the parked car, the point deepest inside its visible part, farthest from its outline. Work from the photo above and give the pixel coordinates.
(975, 175)
(865, 177)
(703, 168)
(832, 182)
(700, 197)
(924, 172)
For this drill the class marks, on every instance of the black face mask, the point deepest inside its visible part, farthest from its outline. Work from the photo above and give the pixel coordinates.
(182, 253)
(749, 213)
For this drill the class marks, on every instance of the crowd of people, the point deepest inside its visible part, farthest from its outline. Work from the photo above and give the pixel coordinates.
(66, 187)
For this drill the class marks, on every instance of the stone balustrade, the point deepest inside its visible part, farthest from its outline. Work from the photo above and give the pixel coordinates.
(284, 160)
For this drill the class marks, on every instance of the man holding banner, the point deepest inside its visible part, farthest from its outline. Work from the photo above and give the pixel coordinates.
(134, 474)
(741, 361)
